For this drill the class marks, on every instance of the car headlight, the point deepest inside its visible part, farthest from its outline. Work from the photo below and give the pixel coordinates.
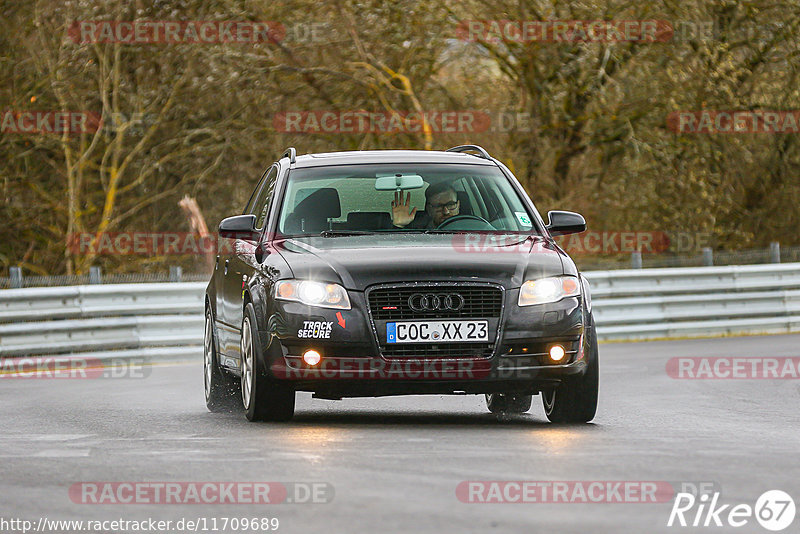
(322, 294)
(550, 289)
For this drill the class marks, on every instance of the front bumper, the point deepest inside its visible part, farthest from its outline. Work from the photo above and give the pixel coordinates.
(354, 364)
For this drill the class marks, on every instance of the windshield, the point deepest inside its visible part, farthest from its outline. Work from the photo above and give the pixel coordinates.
(355, 199)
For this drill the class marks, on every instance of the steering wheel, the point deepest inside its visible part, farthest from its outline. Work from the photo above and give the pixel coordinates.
(469, 222)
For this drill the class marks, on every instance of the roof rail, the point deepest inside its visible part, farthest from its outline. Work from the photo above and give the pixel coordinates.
(290, 153)
(471, 148)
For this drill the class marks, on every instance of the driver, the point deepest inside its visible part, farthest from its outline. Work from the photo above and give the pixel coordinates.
(441, 202)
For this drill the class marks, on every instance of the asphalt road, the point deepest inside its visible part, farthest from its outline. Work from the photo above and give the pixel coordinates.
(394, 463)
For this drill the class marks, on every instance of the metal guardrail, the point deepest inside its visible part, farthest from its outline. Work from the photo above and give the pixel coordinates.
(164, 320)
(95, 276)
(701, 301)
(99, 320)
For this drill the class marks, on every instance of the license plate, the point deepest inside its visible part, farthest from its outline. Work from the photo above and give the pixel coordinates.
(437, 331)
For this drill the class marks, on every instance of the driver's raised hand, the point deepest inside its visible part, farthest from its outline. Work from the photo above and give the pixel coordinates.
(402, 215)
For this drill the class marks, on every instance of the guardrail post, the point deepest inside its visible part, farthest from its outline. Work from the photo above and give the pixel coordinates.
(636, 260)
(175, 273)
(15, 277)
(95, 275)
(774, 252)
(708, 257)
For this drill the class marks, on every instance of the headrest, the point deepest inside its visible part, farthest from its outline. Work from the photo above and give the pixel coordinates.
(369, 220)
(320, 204)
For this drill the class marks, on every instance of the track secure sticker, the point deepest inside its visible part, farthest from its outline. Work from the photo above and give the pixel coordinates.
(523, 218)
(315, 330)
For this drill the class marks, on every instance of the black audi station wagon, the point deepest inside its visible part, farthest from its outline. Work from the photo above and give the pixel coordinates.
(395, 272)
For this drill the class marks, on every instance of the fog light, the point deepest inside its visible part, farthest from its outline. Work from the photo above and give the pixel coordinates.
(557, 353)
(311, 357)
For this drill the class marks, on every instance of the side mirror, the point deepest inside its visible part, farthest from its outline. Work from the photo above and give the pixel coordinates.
(239, 227)
(565, 222)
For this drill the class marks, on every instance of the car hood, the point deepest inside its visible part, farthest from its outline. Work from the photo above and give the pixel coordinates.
(359, 261)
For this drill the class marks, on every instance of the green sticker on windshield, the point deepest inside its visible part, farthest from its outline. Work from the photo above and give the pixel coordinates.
(523, 218)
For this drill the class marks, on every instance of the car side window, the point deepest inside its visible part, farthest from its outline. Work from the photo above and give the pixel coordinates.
(262, 202)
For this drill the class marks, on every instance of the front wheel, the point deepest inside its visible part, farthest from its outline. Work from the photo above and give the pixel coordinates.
(575, 400)
(264, 398)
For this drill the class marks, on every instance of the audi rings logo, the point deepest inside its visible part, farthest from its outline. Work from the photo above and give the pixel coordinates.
(420, 302)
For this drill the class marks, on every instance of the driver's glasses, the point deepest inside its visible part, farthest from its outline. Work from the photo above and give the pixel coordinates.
(449, 206)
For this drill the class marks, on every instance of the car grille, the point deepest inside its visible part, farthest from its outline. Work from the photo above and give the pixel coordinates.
(391, 304)
(479, 302)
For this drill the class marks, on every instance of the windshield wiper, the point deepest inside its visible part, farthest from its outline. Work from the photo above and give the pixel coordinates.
(454, 231)
(339, 233)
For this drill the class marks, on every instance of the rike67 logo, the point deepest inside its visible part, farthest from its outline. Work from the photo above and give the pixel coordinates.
(774, 510)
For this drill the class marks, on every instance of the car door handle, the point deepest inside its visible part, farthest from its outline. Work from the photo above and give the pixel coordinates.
(226, 266)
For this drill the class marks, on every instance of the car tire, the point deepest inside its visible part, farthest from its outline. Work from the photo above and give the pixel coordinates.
(575, 400)
(504, 403)
(221, 389)
(263, 397)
